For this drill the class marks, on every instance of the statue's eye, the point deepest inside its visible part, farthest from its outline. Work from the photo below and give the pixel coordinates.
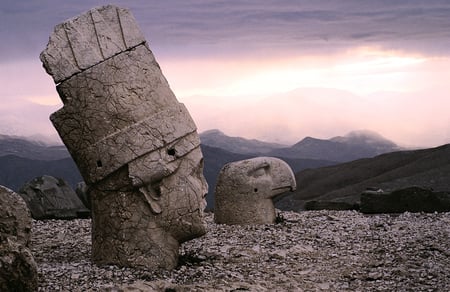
(259, 172)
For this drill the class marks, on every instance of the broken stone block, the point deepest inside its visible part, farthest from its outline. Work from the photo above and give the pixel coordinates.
(411, 199)
(135, 145)
(48, 197)
(89, 39)
(245, 189)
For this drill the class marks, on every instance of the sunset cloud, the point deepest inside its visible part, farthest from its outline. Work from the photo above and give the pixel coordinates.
(283, 69)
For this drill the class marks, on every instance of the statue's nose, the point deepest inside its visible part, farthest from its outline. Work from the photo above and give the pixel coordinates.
(283, 178)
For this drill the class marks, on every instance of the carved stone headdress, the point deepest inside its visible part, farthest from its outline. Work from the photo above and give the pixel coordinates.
(111, 117)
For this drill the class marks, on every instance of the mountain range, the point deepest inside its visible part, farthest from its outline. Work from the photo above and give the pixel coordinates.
(21, 160)
(15, 171)
(325, 169)
(32, 149)
(354, 145)
(216, 138)
(426, 168)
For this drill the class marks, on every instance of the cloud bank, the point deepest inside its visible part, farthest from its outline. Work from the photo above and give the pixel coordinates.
(223, 57)
(326, 113)
(204, 27)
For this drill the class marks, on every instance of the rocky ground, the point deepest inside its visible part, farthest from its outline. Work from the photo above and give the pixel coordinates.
(308, 251)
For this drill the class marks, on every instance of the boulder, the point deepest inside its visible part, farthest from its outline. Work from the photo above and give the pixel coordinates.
(18, 270)
(245, 189)
(48, 197)
(15, 218)
(412, 199)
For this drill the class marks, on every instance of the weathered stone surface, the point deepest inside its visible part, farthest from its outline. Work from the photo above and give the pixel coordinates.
(142, 225)
(245, 189)
(18, 270)
(118, 111)
(52, 198)
(135, 145)
(413, 199)
(88, 39)
(15, 218)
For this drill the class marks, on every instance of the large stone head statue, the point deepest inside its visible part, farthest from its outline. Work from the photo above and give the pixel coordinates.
(245, 189)
(135, 145)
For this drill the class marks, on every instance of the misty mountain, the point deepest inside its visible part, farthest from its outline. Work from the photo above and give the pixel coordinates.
(428, 168)
(20, 116)
(355, 145)
(216, 138)
(32, 149)
(290, 115)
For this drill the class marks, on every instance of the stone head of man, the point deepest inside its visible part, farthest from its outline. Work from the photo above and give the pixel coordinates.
(135, 145)
(245, 189)
(171, 181)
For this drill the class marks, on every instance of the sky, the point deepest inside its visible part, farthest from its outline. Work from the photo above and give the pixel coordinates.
(274, 70)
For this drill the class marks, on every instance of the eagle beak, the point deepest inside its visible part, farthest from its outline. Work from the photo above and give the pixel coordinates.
(283, 178)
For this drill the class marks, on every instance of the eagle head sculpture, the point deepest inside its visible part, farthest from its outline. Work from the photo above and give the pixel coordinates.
(245, 189)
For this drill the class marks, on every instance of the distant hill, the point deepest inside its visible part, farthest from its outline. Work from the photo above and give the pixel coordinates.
(16, 171)
(429, 168)
(32, 159)
(355, 145)
(22, 160)
(216, 138)
(22, 147)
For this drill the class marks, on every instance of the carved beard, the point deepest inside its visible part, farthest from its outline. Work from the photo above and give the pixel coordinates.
(182, 199)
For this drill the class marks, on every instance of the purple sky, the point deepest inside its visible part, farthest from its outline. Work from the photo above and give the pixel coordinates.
(271, 70)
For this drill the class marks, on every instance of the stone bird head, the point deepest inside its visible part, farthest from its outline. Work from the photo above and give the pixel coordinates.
(245, 189)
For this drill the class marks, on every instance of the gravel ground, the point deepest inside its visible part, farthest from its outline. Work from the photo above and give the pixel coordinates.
(308, 251)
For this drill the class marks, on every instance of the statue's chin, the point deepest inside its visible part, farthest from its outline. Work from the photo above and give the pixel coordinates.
(193, 228)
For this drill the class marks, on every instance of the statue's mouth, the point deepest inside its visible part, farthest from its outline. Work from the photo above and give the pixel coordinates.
(284, 189)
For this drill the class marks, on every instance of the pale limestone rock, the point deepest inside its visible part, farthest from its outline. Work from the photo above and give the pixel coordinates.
(136, 146)
(245, 189)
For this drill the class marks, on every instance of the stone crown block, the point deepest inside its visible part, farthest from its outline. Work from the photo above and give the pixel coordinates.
(117, 111)
(88, 39)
